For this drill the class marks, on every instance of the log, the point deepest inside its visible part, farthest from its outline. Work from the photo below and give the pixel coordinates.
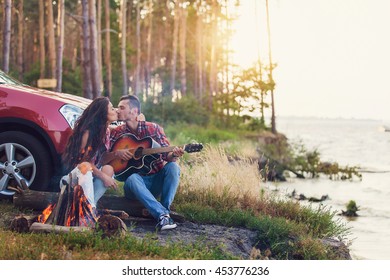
(132, 207)
(22, 223)
(45, 228)
(35, 200)
(111, 226)
(38, 200)
(118, 213)
(59, 206)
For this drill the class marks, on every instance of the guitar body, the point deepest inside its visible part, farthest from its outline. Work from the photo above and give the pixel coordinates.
(139, 163)
(145, 152)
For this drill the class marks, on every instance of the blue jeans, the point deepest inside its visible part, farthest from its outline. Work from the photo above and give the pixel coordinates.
(147, 189)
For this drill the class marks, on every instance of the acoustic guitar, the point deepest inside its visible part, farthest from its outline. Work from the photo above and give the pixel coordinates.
(145, 152)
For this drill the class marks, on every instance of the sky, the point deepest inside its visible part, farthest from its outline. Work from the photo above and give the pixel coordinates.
(333, 56)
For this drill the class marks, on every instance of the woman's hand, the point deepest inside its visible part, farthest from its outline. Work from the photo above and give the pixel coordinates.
(109, 182)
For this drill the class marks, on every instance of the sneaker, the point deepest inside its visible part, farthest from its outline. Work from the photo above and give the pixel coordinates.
(165, 222)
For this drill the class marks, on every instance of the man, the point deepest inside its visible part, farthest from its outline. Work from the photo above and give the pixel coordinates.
(163, 177)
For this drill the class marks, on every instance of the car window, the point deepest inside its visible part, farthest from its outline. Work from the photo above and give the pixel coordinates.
(5, 79)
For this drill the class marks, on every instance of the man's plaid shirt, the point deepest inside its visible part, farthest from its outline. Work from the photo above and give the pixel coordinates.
(145, 129)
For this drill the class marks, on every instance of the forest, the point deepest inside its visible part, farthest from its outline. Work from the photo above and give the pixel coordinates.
(174, 55)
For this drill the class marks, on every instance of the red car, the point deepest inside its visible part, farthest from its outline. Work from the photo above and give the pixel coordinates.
(35, 125)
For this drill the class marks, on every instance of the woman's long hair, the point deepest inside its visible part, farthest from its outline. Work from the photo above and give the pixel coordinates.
(93, 119)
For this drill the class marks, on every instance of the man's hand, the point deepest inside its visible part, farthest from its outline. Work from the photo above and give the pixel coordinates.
(124, 154)
(177, 152)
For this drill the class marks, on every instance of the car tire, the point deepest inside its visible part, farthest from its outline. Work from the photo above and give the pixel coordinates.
(27, 159)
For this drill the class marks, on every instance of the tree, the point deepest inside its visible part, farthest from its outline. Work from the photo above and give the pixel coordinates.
(213, 55)
(149, 42)
(271, 80)
(42, 38)
(138, 41)
(123, 48)
(108, 50)
(86, 55)
(183, 33)
(60, 47)
(174, 47)
(198, 83)
(95, 68)
(7, 35)
(20, 39)
(51, 38)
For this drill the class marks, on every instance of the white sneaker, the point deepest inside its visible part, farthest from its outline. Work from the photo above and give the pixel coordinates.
(165, 222)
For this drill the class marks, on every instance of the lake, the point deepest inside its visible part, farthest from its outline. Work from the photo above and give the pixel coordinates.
(351, 142)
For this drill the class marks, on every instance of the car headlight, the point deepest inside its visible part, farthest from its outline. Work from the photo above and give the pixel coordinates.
(71, 113)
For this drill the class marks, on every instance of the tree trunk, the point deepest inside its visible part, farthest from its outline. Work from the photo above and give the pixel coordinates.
(148, 69)
(199, 54)
(60, 49)
(213, 56)
(87, 81)
(174, 48)
(51, 39)
(108, 50)
(42, 39)
(95, 70)
(99, 41)
(125, 90)
(183, 33)
(20, 56)
(7, 35)
(271, 80)
(138, 66)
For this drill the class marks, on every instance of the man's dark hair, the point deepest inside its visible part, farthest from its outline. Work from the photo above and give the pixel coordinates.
(133, 102)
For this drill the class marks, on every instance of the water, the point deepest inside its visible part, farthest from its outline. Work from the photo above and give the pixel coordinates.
(362, 143)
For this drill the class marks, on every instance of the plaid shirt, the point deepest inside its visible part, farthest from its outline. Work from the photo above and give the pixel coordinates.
(145, 129)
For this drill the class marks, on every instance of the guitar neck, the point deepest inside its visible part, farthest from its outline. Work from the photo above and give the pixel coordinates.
(150, 151)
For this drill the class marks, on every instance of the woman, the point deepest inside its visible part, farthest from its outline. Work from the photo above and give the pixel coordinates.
(90, 139)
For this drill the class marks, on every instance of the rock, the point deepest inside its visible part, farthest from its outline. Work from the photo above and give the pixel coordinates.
(238, 242)
(338, 248)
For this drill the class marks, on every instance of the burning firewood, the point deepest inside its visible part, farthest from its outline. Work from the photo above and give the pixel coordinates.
(38, 200)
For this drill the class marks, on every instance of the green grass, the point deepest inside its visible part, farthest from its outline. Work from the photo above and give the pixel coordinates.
(91, 246)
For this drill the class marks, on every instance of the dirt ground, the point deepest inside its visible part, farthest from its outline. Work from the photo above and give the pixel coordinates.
(235, 241)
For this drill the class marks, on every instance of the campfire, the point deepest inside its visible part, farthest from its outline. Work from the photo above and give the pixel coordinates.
(72, 208)
(71, 211)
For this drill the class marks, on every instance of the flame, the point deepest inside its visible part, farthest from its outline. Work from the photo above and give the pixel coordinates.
(46, 213)
(81, 212)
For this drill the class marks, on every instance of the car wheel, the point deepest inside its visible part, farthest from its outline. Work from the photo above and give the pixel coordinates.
(23, 157)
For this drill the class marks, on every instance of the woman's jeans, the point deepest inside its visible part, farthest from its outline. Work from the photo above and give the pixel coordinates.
(147, 189)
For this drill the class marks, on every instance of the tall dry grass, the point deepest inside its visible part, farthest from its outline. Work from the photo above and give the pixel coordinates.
(214, 171)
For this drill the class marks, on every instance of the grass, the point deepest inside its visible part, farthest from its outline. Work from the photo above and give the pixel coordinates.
(91, 246)
(215, 188)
